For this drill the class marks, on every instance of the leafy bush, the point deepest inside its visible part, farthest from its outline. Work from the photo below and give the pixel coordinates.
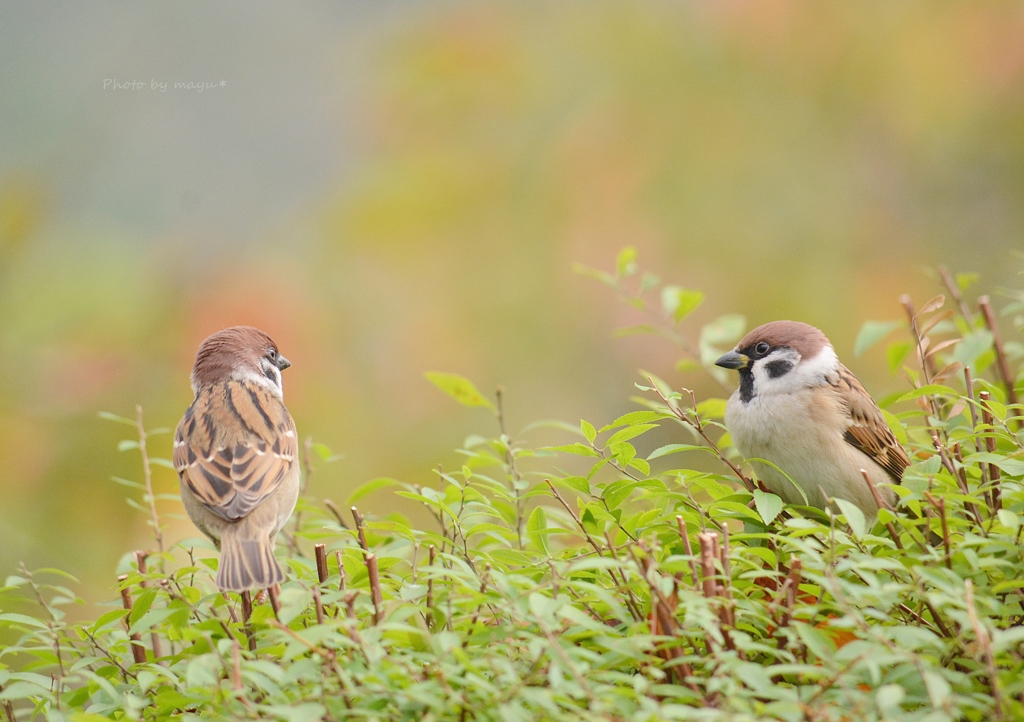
(626, 587)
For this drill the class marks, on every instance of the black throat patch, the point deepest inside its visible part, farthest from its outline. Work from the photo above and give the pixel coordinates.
(777, 368)
(746, 385)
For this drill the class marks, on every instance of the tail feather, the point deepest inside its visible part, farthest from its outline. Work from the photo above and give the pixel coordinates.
(247, 564)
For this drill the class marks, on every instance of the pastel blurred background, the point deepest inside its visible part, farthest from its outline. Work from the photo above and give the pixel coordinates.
(390, 188)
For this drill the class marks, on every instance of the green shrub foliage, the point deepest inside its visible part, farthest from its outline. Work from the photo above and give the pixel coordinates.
(599, 579)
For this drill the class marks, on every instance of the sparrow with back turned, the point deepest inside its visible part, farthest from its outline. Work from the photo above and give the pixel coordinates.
(235, 451)
(799, 408)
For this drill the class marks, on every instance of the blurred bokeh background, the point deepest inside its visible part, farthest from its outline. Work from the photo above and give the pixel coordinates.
(390, 188)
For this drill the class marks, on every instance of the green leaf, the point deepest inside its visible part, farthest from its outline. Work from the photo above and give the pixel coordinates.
(896, 353)
(142, 605)
(635, 417)
(1010, 520)
(459, 388)
(971, 347)
(964, 280)
(928, 390)
(724, 329)
(535, 526)
(577, 448)
(23, 690)
(674, 449)
(767, 505)
(816, 640)
(629, 432)
(486, 527)
(119, 419)
(1013, 467)
(127, 445)
(687, 364)
(734, 509)
(88, 717)
(617, 492)
(711, 408)
(22, 619)
(304, 712)
(576, 483)
(126, 482)
(371, 486)
(324, 452)
(151, 619)
(625, 262)
(589, 433)
(871, 333)
(678, 302)
(854, 517)
(896, 426)
(106, 618)
(602, 276)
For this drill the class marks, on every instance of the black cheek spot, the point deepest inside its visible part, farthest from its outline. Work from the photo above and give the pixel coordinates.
(778, 368)
(269, 373)
(746, 385)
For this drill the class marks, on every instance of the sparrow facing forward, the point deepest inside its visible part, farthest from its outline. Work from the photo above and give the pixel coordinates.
(235, 451)
(799, 408)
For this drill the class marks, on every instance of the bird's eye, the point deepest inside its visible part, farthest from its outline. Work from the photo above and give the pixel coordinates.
(762, 348)
(272, 354)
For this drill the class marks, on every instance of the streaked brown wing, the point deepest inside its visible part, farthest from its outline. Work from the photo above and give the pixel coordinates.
(234, 446)
(868, 431)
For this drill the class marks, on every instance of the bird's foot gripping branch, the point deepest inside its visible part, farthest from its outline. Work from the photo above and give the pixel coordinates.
(627, 570)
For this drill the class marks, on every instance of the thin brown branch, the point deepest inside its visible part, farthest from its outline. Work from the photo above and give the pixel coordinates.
(969, 384)
(990, 446)
(510, 464)
(430, 590)
(663, 621)
(318, 603)
(927, 363)
(359, 529)
(1003, 363)
(789, 589)
(882, 504)
(341, 570)
(138, 652)
(960, 478)
(698, 426)
(236, 665)
(246, 615)
(632, 602)
(940, 505)
(955, 294)
(320, 551)
(708, 542)
(985, 642)
(350, 605)
(140, 563)
(147, 471)
(681, 523)
(275, 602)
(634, 610)
(333, 508)
(375, 593)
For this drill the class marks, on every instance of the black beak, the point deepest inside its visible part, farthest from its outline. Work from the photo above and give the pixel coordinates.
(733, 360)
(282, 362)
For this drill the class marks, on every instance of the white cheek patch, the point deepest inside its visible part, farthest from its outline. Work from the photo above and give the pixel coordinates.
(771, 375)
(274, 386)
